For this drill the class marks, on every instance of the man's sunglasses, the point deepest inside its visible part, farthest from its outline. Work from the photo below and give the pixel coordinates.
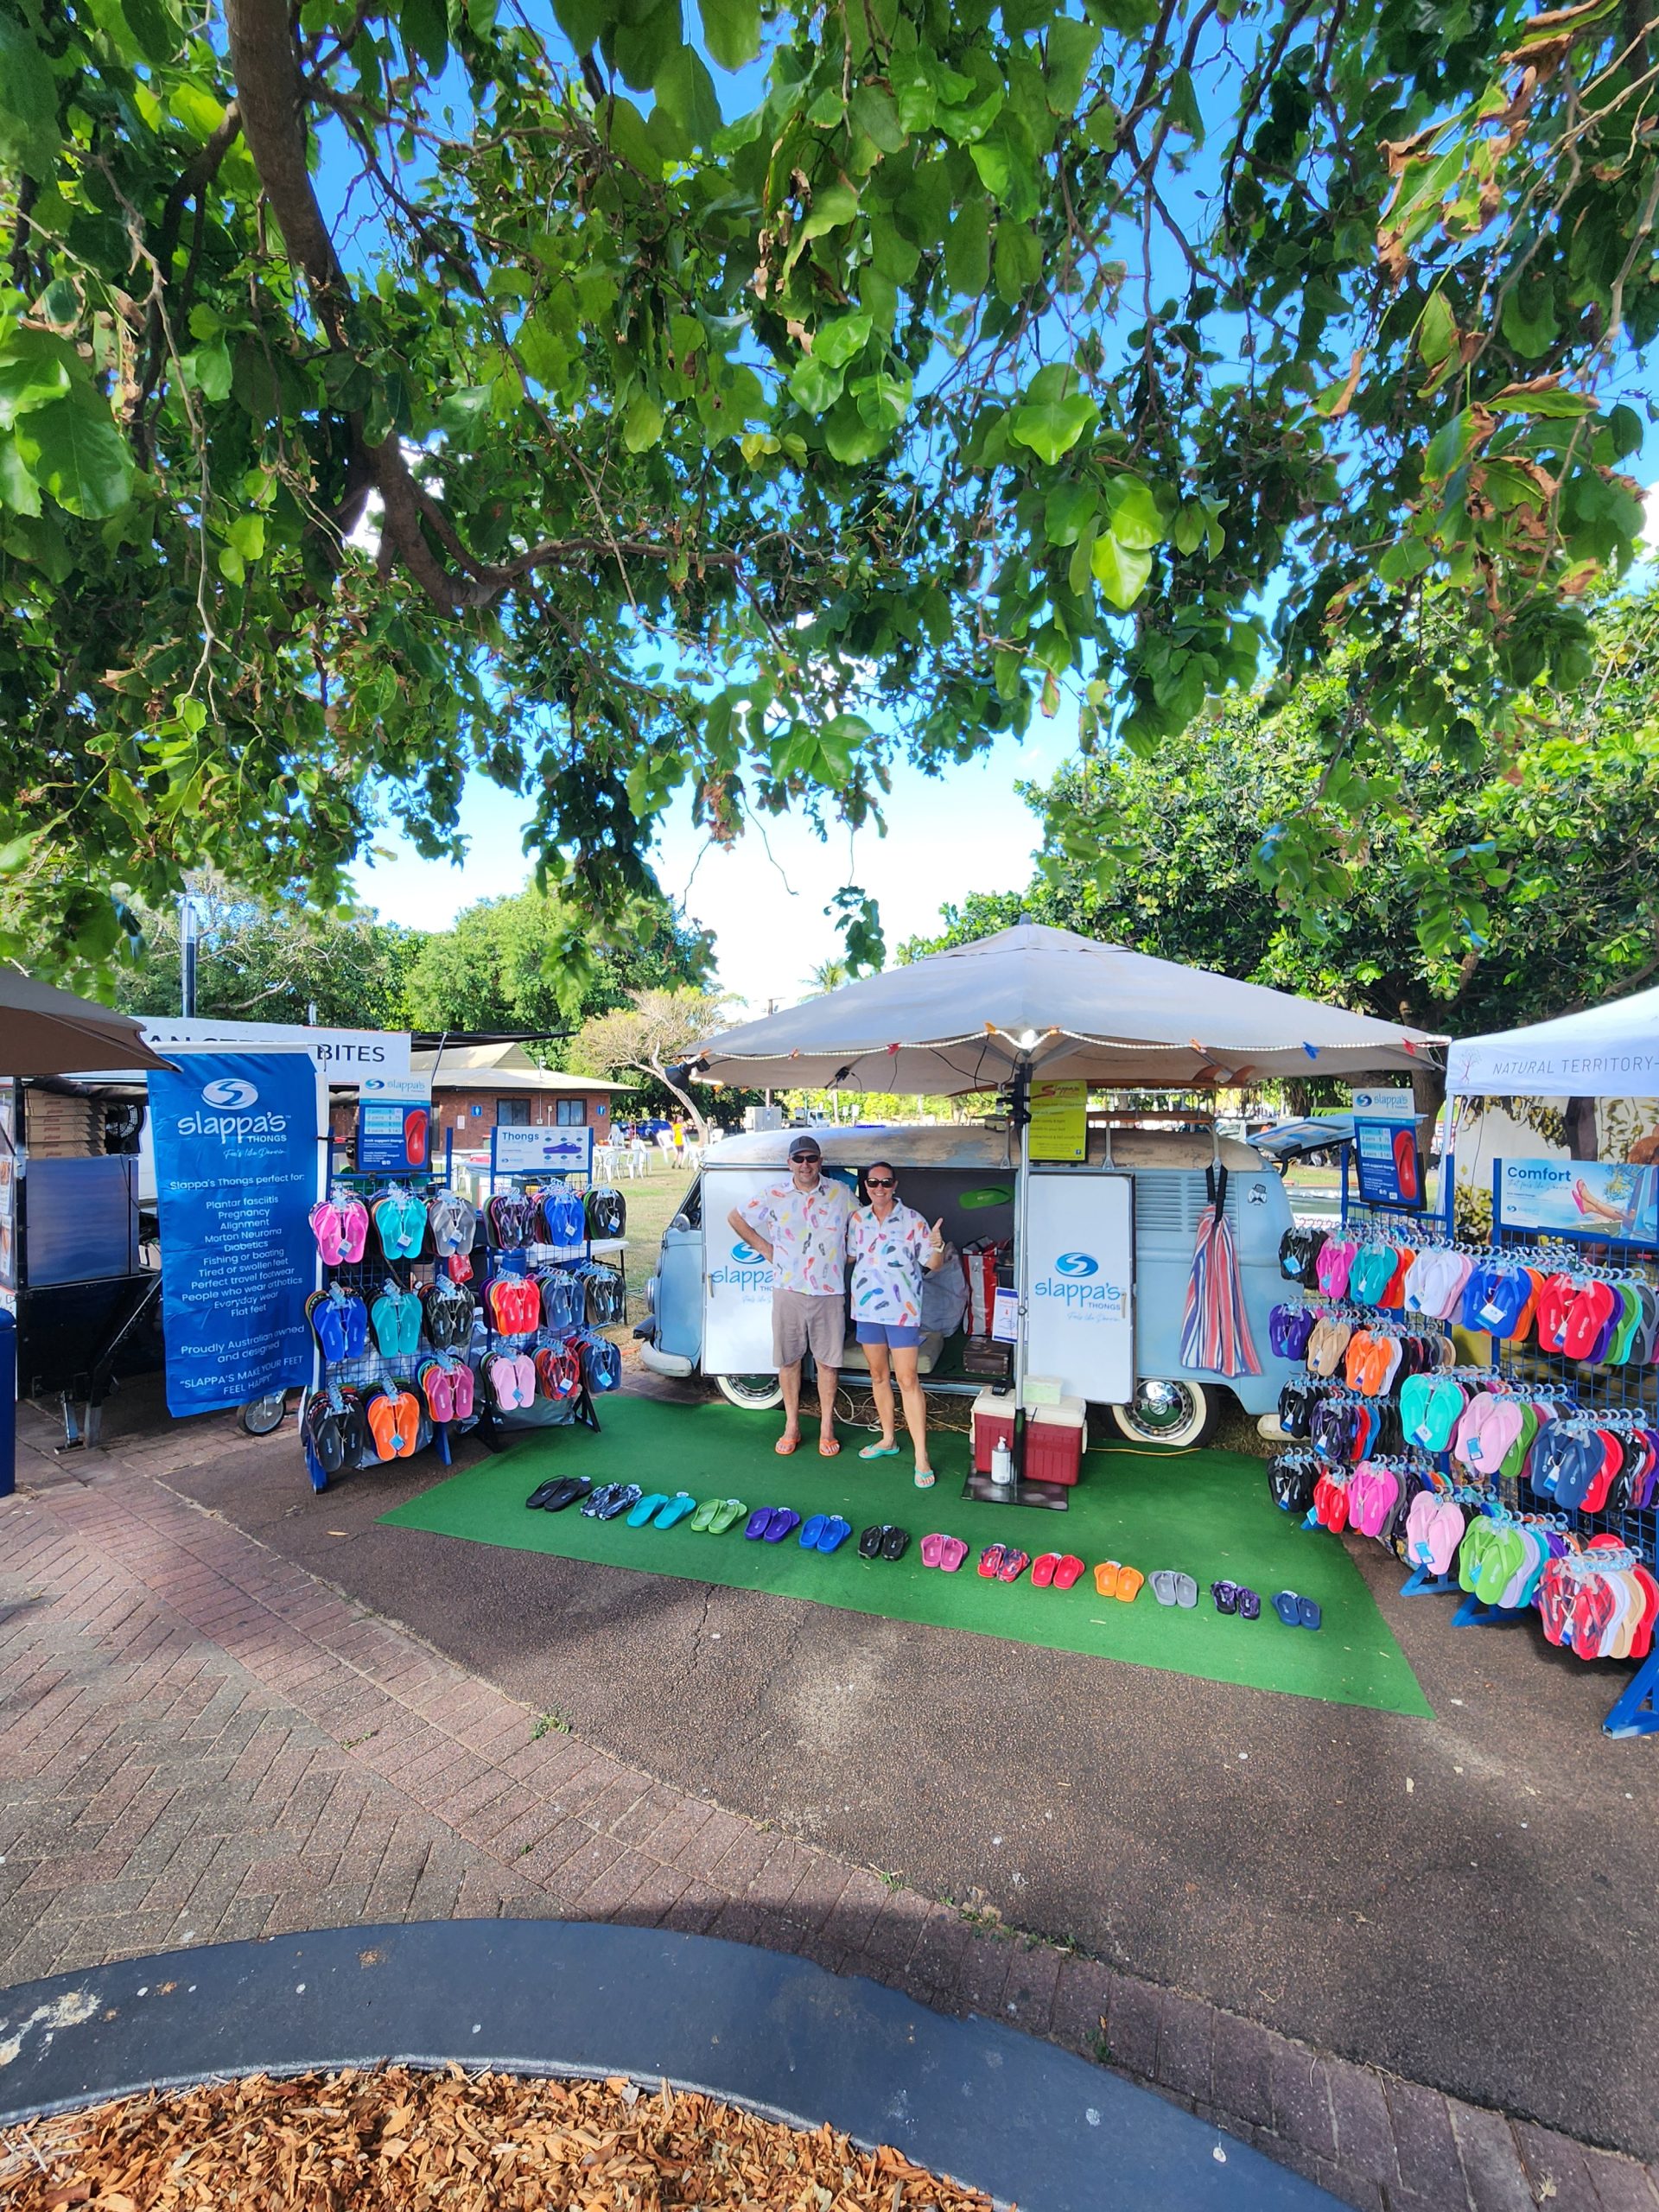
(878, 1183)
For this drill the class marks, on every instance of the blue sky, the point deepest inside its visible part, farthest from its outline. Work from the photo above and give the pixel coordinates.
(965, 830)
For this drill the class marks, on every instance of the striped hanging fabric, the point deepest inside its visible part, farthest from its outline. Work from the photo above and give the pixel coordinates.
(1215, 1327)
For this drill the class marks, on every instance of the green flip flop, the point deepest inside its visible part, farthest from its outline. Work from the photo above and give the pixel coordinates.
(728, 1513)
(646, 1507)
(880, 1451)
(702, 1521)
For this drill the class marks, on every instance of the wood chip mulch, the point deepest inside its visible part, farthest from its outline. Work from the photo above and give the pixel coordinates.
(358, 2141)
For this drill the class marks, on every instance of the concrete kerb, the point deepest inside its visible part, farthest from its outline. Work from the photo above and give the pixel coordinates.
(1018, 2119)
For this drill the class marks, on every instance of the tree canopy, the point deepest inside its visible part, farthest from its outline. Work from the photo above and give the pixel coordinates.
(260, 963)
(652, 1032)
(618, 404)
(1473, 901)
(528, 961)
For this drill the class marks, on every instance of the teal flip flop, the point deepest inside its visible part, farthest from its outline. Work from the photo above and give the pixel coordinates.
(880, 1451)
(646, 1507)
(676, 1510)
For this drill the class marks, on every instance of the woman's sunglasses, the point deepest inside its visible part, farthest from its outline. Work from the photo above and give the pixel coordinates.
(878, 1183)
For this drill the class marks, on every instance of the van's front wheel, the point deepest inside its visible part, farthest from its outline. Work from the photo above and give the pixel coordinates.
(1168, 1412)
(751, 1394)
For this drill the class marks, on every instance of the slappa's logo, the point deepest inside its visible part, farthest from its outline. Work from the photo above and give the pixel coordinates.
(745, 1254)
(231, 1092)
(1071, 1283)
(1077, 1265)
(745, 1272)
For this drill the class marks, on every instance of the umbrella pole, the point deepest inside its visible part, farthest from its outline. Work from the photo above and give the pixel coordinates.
(1021, 1261)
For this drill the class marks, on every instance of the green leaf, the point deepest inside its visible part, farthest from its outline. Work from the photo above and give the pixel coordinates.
(832, 205)
(1437, 330)
(1407, 557)
(1070, 511)
(1120, 570)
(18, 490)
(1133, 514)
(641, 49)
(1006, 160)
(850, 437)
(209, 369)
(28, 106)
(32, 379)
(1018, 261)
(1069, 54)
(1528, 318)
(582, 22)
(643, 424)
(685, 91)
(878, 118)
(839, 342)
(814, 386)
(1051, 427)
(194, 106)
(76, 452)
(968, 247)
(732, 28)
(1547, 399)
(1182, 107)
(423, 26)
(247, 534)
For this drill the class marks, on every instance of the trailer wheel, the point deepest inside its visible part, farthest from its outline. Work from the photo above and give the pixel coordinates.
(1182, 1413)
(263, 1416)
(751, 1394)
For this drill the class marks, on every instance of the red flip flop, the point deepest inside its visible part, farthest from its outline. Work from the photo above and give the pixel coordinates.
(1045, 1569)
(1014, 1564)
(990, 1560)
(1068, 1571)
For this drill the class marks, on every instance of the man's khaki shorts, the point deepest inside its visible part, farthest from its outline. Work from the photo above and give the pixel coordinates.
(800, 1324)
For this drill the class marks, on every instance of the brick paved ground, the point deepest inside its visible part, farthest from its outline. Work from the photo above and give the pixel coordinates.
(199, 1741)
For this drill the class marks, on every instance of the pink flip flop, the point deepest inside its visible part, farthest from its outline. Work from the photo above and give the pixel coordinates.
(932, 1548)
(326, 1229)
(952, 1552)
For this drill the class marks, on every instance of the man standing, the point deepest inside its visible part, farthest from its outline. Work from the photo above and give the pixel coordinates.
(801, 1228)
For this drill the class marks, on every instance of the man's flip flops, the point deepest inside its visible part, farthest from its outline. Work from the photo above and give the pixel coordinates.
(1297, 1613)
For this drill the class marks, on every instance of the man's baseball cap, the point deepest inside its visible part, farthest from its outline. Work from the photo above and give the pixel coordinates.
(806, 1147)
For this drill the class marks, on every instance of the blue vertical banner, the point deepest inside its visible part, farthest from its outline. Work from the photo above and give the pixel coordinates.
(236, 1175)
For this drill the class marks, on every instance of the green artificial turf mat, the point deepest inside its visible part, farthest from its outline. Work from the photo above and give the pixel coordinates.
(1205, 1512)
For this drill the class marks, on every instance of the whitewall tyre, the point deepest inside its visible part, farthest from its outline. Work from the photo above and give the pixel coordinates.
(1177, 1412)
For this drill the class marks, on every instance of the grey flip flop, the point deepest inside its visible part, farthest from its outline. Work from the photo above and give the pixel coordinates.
(1186, 1591)
(1163, 1585)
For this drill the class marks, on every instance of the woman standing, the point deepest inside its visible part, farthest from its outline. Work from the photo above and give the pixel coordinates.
(892, 1246)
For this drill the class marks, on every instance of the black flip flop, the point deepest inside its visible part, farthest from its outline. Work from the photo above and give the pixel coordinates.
(895, 1542)
(569, 1491)
(870, 1544)
(541, 1494)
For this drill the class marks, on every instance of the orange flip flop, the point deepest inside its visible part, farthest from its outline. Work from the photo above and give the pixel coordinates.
(383, 1426)
(828, 1448)
(1129, 1580)
(785, 1445)
(1106, 1576)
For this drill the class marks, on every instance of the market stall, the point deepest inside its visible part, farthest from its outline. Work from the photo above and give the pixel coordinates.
(1540, 1496)
(1044, 1016)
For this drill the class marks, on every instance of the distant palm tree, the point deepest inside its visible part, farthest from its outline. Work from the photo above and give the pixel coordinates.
(828, 976)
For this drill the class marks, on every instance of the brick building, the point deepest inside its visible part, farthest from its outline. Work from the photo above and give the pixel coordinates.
(476, 1086)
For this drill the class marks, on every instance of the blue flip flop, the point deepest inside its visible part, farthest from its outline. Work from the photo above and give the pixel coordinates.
(1285, 1604)
(836, 1533)
(784, 1522)
(814, 1529)
(1308, 1613)
(676, 1509)
(759, 1522)
(646, 1507)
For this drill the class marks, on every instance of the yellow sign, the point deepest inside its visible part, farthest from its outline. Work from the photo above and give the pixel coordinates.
(1059, 1121)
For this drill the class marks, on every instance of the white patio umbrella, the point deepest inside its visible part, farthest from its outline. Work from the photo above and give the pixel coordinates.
(965, 1019)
